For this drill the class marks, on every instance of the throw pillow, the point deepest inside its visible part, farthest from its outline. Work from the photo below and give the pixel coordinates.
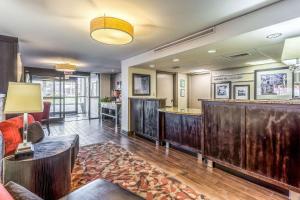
(19, 120)
(35, 132)
(19, 192)
(4, 193)
(11, 136)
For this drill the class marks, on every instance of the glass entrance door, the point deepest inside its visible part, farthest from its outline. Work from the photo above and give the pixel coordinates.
(72, 98)
(76, 98)
(52, 92)
(94, 96)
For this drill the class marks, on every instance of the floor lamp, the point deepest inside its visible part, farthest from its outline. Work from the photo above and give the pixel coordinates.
(24, 98)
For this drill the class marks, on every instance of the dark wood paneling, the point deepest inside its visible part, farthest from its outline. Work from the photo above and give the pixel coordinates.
(183, 131)
(191, 131)
(224, 137)
(8, 61)
(150, 118)
(136, 116)
(144, 117)
(273, 142)
(173, 128)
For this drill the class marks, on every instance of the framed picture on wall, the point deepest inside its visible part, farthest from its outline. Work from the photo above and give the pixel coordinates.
(274, 83)
(141, 84)
(182, 83)
(241, 92)
(223, 90)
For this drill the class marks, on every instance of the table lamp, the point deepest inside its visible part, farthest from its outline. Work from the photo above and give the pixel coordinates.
(24, 98)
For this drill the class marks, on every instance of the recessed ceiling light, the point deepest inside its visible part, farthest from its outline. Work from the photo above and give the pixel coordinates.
(212, 51)
(261, 62)
(176, 60)
(152, 66)
(274, 35)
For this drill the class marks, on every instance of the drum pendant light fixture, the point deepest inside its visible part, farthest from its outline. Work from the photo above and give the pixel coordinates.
(65, 67)
(110, 30)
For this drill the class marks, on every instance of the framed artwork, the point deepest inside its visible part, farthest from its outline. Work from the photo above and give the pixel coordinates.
(223, 90)
(182, 92)
(182, 83)
(241, 92)
(274, 83)
(141, 84)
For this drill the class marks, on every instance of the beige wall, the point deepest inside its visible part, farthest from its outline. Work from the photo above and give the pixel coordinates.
(204, 86)
(105, 85)
(246, 76)
(182, 102)
(150, 72)
(199, 88)
(165, 89)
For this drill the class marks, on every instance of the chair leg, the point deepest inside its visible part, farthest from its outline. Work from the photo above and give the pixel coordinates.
(48, 128)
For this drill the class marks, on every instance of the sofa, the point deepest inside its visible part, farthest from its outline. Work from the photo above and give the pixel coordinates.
(95, 190)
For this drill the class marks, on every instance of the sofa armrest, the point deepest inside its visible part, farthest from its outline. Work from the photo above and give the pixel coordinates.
(18, 192)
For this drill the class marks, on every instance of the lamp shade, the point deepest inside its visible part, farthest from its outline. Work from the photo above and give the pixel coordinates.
(65, 67)
(110, 30)
(23, 98)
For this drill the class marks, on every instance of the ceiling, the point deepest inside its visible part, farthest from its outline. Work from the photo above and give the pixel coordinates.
(255, 44)
(55, 31)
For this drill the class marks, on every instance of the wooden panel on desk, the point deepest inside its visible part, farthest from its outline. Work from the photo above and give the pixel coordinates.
(224, 133)
(136, 115)
(191, 131)
(173, 127)
(273, 142)
(150, 118)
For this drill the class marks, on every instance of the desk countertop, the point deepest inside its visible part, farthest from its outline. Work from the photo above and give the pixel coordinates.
(185, 111)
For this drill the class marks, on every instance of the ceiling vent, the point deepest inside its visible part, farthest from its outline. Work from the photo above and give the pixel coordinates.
(239, 55)
(194, 36)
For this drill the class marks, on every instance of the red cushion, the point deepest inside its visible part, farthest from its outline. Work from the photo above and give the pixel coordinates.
(4, 194)
(11, 135)
(18, 121)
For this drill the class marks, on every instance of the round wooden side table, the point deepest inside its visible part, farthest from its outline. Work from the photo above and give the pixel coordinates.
(47, 173)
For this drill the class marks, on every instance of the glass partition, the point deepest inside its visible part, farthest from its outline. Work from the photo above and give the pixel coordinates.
(94, 96)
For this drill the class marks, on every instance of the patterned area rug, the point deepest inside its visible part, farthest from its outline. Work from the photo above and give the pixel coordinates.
(117, 165)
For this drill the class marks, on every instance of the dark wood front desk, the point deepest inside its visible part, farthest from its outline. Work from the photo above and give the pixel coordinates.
(144, 117)
(181, 128)
(256, 138)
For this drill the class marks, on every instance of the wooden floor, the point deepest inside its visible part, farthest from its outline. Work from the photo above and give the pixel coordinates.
(214, 183)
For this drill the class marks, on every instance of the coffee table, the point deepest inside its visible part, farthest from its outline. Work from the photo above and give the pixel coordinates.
(47, 173)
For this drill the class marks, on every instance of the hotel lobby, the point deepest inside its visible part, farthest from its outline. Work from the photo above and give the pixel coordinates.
(162, 100)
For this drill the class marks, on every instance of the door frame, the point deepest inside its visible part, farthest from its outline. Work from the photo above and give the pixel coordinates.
(174, 85)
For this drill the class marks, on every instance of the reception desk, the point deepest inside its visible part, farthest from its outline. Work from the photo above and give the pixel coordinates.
(181, 127)
(260, 139)
(144, 117)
